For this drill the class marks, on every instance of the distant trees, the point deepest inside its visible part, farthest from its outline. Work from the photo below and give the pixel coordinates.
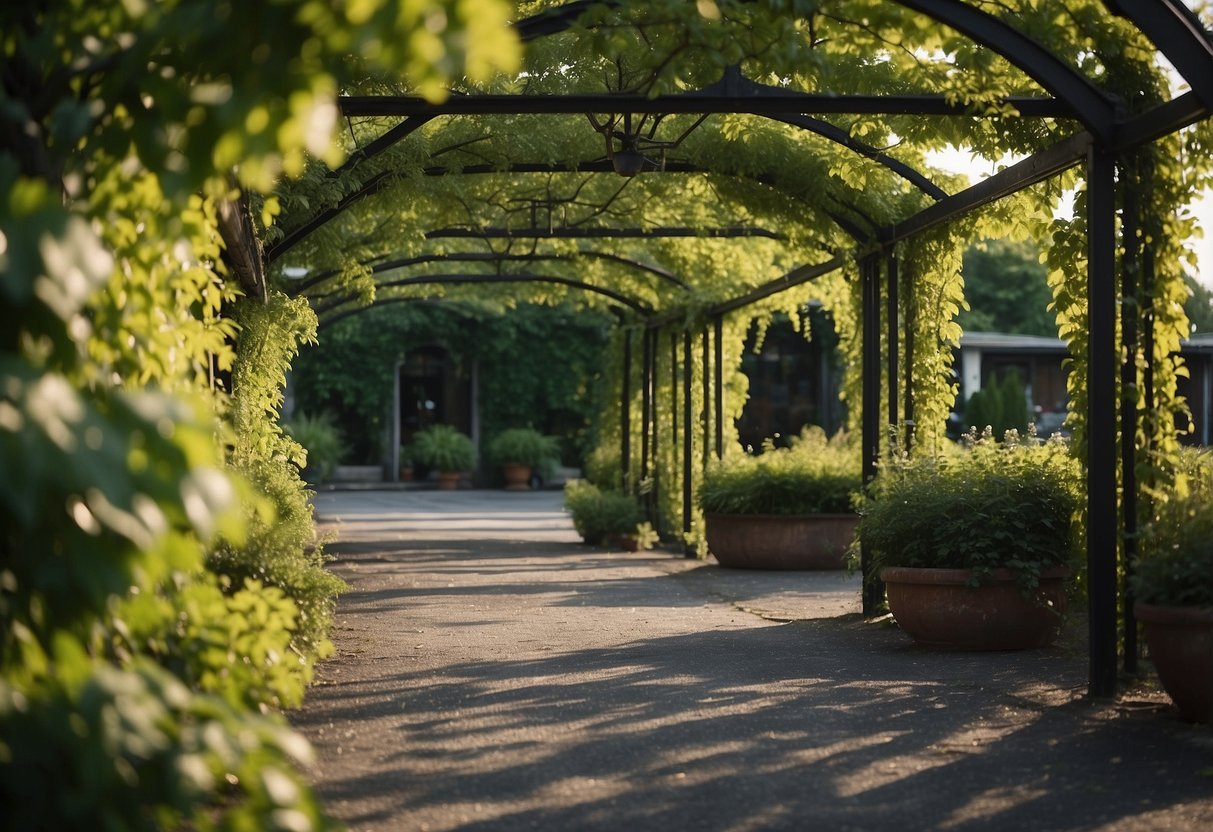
(1007, 290)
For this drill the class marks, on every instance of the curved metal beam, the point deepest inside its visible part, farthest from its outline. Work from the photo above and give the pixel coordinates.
(599, 232)
(1179, 34)
(842, 137)
(1094, 108)
(382, 264)
(446, 279)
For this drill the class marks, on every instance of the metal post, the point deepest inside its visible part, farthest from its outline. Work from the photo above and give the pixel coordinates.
(869, 268)
(1101, 420)
(909, 310)
(718, 335)
(653, 501)
(707, 402)
(482, 474)
(1130, 314)
(625, 414)
(687, 450)
(396, 439)
(893, 321)
(646, 403)
(674, 398)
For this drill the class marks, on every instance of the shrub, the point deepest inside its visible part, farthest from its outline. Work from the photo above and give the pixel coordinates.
(598, 514)
(987, 506)
(444, 448)
(815, 475)
(1001, 406)
(1176, 564)
(524, 446)
(321, 438)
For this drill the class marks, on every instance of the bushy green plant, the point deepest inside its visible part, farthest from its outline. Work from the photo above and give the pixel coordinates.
(988, 505)
(1175, 568)
(814, 475)
(598, 514)
(445, 448)
(321, 438)
(1001, 406)
(281, 549)
(524, 446)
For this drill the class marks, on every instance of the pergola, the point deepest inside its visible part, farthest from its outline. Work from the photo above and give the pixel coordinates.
(1105, 130)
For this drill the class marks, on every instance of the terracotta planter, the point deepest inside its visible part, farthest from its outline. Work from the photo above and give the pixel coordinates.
(773, 541)
(517, 476)
(448, 480)
(1181, 648)
(937, 607)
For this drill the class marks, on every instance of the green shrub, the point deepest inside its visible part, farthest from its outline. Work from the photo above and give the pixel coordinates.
(1175, 567)
(444, 448)
(987, 506)
(599, 515)
(524, 446)
(1001, 406)
(281, 549)
(815, 475)
(321, 438)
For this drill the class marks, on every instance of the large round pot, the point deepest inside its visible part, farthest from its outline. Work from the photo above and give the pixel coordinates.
(775, 541)
(1181, 647)
(517, 476)
(448, 480)
(937, 607)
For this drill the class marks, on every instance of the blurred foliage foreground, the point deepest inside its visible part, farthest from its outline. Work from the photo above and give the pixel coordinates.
(162, 591)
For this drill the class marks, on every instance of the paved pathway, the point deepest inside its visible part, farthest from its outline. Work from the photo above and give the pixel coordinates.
(493, 674)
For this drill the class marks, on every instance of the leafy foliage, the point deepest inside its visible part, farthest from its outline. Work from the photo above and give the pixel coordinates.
(320, 438)
(524, 446)
(1001, 406)
(814, 475)
(599, 514)
(987, 506)
(1007, 290)
(133, 682)
(281, 550)
(537, 366)
(1176, 558)
(445, 448)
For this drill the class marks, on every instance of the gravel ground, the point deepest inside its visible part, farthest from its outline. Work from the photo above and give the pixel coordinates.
(493, 673)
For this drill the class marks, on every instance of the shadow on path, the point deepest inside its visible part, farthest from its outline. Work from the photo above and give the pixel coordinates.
(500, 684)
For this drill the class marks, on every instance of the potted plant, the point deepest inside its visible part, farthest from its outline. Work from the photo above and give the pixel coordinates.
(974, 546)
(446, 449)
(1173, 585)
(519, 452)
(601, 516)
(406, 463)
(787, 508)
(321, 438)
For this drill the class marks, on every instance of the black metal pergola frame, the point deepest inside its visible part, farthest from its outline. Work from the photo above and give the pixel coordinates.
(1106, 133)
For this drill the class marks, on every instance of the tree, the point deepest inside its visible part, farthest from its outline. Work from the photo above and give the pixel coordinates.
(1007, 289)
(1199, 306)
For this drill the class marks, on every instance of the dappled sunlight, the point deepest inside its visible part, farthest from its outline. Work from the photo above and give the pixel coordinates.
(507, 683)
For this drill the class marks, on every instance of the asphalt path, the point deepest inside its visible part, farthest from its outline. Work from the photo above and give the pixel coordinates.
(492, 673)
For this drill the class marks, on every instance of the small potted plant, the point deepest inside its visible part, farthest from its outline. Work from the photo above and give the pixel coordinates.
(1173, 585)
(974, 546)
(446, 449)
(406, 463)
(321, 438)
(520, 452)
(787, 508)
(601, 516)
